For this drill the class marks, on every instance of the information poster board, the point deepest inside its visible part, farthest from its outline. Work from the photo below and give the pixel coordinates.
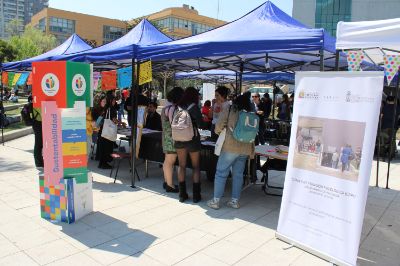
(331, 149)
(146, 73)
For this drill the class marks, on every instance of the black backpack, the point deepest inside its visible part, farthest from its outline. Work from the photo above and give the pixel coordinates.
(27, 114)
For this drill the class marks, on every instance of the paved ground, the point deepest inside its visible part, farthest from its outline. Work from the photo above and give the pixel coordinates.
(148, 227)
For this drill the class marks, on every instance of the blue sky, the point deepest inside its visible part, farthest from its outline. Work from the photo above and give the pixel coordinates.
(127, 9)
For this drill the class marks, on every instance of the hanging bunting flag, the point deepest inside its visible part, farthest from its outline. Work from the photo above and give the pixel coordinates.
(96, 78)
(109, 80)
(30, 79)
(391, 64)
(4, 78)
(145, 75)
(16, 78)
(124, 77)
(22, 80)
(354, 59)
(10, 79)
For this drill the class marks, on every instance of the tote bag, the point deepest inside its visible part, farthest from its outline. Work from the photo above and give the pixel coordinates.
(220, 142)
(109, 128)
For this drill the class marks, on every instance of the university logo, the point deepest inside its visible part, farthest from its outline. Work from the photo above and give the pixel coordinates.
(50, 84)
(78, 85)
(308, 95)
(354, 98)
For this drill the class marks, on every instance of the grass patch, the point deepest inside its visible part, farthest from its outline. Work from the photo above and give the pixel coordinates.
(16, 111)
(14, 126)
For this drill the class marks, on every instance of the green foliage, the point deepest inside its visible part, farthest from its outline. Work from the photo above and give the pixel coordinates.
(31, 43)
(7, 52)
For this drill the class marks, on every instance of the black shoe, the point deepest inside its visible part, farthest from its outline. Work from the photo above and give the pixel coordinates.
(196, 192)
(182, 192)
(169, 189)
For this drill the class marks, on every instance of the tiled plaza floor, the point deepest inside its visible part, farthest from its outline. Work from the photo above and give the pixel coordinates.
(146, 226)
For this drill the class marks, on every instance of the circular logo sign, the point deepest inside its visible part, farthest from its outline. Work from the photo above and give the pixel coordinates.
(50, 84)
(78, 85)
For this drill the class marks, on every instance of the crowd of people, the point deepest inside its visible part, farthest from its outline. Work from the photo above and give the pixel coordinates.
(216, 115)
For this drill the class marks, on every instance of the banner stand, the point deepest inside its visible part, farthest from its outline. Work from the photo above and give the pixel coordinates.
(311, 250)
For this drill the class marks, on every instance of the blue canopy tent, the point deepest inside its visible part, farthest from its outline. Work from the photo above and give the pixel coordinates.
(72, 45)
(221, 75)
(264, 40)
(121, 51)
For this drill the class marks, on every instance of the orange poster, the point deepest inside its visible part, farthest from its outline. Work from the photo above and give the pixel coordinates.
(49, 83)
(109, 80)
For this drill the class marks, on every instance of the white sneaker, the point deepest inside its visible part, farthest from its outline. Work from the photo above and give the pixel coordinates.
(214, 203)
(233, 203)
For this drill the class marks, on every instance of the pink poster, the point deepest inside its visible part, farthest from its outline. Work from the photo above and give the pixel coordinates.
(52, 145)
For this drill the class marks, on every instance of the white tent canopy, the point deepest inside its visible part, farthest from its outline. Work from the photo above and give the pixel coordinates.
(376, 38)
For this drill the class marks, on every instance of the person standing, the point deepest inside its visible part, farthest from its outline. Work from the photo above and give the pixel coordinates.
(267, 105)
(206, 111)
(105, 146)
(335, 159)
(190, 102)
(258, 108)
(234, 154)
(221, 103)
(169, 150)
(37, 131)
(284, 108)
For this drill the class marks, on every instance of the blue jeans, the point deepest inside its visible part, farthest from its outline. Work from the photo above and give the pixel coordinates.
(225, 162)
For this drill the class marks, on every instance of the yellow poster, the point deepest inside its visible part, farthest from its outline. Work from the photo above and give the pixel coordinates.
(16, 78)
(146, 73)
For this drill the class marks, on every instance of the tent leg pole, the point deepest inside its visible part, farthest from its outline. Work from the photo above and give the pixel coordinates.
(321, 60)
(134, 104)
(337, 60)
(2, 118)
(392, 135)
(379, 149)
(236, 83)
(241, 77)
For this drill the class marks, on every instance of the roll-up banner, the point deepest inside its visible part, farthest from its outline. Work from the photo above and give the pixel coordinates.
(334, 127)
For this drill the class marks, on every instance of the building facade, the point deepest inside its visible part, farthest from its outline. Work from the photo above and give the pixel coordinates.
(21, 10)
(62, 24)
(327, 13)
(180, 22)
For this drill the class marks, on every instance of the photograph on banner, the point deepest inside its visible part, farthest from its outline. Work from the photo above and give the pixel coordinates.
(329, 146)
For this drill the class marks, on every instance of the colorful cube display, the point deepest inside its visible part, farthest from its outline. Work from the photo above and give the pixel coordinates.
(65, 202)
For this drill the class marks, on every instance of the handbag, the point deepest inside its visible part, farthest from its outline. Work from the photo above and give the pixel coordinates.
(109, 128)
(220, 142)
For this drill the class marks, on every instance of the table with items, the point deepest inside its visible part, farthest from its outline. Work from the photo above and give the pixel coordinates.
(277, 157)
(151, 149)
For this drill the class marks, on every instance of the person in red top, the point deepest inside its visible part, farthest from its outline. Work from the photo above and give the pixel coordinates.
(206, 111)
(125, 94)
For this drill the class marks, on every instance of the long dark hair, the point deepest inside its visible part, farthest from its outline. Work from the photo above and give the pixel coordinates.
(223, 91)
(242, 102)
(191, 95)
(175, 95)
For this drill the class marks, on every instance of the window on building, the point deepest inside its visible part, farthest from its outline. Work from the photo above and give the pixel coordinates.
(42, 24)
(111, 33)
(61, 26)
(329, 12)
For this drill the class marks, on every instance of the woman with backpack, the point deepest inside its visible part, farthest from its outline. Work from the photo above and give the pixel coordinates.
(188, 114)
(234, 153)
(167, 113)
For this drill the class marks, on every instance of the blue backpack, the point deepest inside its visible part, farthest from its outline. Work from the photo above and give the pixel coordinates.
(246, 128)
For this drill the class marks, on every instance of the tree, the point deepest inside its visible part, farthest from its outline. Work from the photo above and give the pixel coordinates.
(31, 43)
(15, 27)
(7, 52)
